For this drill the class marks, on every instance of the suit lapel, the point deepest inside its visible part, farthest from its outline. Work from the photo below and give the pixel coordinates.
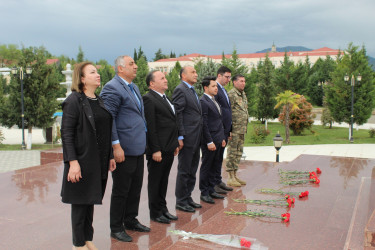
(193, 97)
(161, 100)
(212, 104)
(130, 93)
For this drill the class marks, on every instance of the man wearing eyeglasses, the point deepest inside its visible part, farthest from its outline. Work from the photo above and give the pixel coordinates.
(222, 79)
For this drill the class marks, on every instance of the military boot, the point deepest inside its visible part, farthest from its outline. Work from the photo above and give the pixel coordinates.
(232, 180)
(238, 179)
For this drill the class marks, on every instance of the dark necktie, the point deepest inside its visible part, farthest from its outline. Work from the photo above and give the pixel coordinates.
(195, 93)
(165, 99)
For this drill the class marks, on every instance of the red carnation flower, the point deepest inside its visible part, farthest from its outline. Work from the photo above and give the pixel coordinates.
(245, 243)
(318, 170)
(286, 217)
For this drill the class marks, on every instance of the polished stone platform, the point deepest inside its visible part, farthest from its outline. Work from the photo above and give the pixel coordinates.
(333, 216)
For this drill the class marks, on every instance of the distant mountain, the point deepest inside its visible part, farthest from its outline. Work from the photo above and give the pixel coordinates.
(287, 48)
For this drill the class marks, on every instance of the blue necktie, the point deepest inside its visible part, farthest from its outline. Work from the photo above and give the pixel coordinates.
(131, 86)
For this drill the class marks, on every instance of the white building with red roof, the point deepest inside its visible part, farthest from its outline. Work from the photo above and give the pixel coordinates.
(251, 60)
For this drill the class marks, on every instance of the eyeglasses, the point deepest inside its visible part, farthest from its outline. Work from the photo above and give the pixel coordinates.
(228, 77)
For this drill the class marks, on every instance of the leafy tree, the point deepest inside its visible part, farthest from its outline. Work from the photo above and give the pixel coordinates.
(266, 91)
(300, 118)
(80, 55)
(326, 118)
(204, 68)
(9, 54)
(3, 84)
(173, 79)
(284, 77)
(159, 55)
(106, 73)
(338, 93)
(251, 92)
(142, 72)
(289, 101)
(40, 93)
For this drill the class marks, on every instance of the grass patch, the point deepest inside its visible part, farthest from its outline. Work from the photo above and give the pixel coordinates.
(322, 135)
(33, 147)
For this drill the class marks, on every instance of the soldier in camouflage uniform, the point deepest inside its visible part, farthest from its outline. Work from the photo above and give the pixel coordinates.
(240, 117)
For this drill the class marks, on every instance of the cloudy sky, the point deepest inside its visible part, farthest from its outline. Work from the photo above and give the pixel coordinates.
(107, 28)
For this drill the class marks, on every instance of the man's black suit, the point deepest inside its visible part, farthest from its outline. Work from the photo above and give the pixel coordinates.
(226, 114)
(162, 136)
(213, 131)
(189, 115)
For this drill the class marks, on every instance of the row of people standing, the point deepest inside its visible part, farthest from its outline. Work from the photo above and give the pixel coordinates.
(93, 144)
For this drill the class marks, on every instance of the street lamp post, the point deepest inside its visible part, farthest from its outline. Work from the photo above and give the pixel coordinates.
(277, 143)
(352, 83)
(21, 76)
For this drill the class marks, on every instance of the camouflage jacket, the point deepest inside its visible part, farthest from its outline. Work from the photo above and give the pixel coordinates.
(240, 115)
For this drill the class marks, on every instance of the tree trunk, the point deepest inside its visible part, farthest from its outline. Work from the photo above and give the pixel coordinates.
(29, 137)
(287, 124)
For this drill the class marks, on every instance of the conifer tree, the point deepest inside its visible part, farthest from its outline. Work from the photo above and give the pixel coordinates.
(266, 91)
(353, 62)
(80, 55)
(142, 72)
(204, 68)
(283, 76)
(173, 79)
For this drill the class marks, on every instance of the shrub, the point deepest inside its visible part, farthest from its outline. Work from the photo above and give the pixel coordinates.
(301, 118)
(259, 135)
(372, 132)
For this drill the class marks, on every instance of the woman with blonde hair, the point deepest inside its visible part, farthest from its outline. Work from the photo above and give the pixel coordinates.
(87, 150)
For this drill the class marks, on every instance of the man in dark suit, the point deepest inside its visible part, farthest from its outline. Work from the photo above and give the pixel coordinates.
(213, 141)
(223, 78)
(162, 144)
(123, 100)
(189, 115)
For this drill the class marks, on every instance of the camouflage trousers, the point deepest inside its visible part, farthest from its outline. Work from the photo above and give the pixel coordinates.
(234, 151)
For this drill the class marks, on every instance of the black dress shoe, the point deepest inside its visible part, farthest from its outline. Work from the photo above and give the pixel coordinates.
(195, 205)
(121, 236)
(219, 190)
(216, 196)
(225, 187)
(207, 198)
(161, 219)
(138, 227)
(185, 208)
(170, 216)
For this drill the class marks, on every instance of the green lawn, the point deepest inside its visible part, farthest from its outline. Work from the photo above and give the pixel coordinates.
(33, 147)
(323, 135)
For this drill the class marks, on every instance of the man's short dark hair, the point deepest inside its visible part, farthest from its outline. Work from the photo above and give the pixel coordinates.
(150, 77)
(222, 70)
(235, 78)
(207, 80)
(182, 71)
